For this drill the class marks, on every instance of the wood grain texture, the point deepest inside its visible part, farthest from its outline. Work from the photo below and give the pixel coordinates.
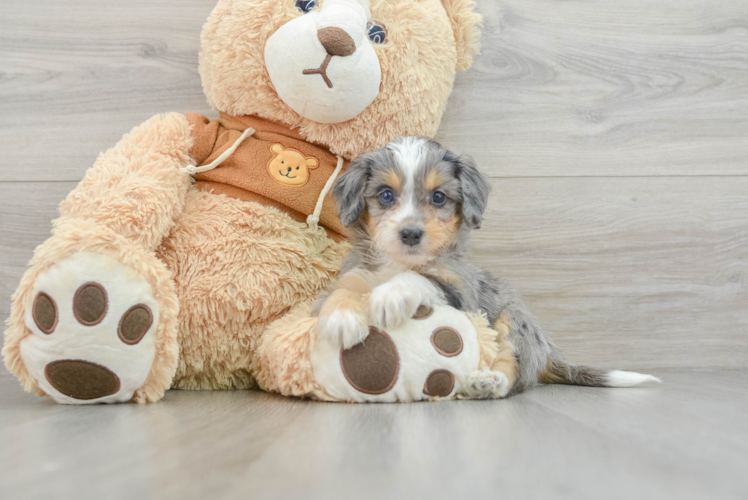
(76, 75)
(633, 273)
(615, 134)
(685, 439)
(561, 89)
(606, 88)
(627, 272)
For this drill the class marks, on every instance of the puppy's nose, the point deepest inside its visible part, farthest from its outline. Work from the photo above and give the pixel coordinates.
(289, 169)
(411, 236)
(336, 41)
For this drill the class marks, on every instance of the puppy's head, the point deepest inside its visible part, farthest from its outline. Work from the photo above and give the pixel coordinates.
(412, 198)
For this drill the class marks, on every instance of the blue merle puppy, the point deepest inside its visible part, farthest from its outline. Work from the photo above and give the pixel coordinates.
(410, 207)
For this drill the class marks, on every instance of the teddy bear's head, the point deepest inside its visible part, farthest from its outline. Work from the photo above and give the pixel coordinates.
(351, 74)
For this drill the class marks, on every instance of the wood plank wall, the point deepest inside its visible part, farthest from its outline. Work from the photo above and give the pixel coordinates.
(615, 133)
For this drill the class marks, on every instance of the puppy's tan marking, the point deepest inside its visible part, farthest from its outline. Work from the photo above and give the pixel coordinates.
(440, 232)
(343, 300)
(445, 276)
(359, 281)
(433, 181)
(393, 180)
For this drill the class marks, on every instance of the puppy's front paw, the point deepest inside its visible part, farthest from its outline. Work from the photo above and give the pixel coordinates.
(392, 304)
(343, 327)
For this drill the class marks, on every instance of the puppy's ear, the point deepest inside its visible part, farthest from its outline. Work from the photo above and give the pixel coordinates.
(349, 190)
(475, 188)
(466, 23)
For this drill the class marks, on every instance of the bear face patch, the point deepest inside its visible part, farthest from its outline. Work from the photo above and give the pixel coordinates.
(289, 166)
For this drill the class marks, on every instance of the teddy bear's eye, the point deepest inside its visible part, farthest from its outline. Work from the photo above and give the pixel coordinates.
(306, 6)
(377, 33)
(297, 168)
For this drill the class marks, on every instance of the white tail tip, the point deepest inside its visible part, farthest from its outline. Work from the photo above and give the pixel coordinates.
(618, 378)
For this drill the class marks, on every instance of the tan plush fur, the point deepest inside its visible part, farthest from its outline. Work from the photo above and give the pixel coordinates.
(237, 267)
(466, 26)
(283, 358)
(136, 188)
(419, 62)
(222, 269)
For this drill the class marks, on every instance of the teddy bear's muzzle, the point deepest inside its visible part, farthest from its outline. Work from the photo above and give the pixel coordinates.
(322, 64)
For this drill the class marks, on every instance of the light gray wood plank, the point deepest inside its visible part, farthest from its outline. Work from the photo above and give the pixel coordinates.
(606, 88)
(572, 88)
(26, 209)
(77, 75)
(627, 272)
(634, 273)
(668, 441)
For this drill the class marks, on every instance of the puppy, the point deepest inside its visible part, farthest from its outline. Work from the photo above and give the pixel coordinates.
(410, 207)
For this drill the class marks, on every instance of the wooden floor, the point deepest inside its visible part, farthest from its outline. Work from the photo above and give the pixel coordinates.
(686, 439)
(616, 136)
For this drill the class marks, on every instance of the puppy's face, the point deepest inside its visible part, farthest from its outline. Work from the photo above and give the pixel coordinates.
(411, 198)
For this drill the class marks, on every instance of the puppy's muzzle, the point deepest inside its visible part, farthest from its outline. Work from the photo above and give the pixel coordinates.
(411, 236)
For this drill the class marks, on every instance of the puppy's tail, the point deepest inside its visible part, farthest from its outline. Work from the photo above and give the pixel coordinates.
(558, 371)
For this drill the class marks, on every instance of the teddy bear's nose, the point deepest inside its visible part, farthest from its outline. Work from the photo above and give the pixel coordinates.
(336, 41)
(289, 169)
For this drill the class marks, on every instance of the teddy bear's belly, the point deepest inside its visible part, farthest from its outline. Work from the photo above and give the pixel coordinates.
(237, 267)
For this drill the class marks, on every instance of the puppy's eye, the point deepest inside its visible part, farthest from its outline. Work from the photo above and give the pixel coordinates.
(386, 197)
(438, 198)
(377, 33)
(306, 6)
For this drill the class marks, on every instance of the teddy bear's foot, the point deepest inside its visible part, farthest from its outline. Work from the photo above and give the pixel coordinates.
(486, 384)
(93, 323)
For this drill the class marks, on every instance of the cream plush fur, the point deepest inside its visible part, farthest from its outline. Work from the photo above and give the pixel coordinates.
(221, 270)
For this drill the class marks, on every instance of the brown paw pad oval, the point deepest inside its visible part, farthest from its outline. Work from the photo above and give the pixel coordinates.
(372, 366)
(423, 312)
(134, 324)
(82, 380)
(90, 304)
(439, 383)
(44, 312)
(447, 341)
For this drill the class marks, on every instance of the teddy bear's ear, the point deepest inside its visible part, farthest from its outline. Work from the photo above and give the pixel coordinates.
(466, 23)
(276, 148)
(312, 163)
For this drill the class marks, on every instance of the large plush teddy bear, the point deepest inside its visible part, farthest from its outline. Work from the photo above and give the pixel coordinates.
(187, 239)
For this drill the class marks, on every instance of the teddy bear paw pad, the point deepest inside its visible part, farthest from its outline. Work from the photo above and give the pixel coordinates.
(372, 366)
(92, 321)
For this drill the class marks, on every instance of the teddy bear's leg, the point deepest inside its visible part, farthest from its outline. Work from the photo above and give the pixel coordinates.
(94, 318)
(238, 266)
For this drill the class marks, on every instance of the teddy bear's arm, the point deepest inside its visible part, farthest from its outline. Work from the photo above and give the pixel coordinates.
(101, 260)
(137, 188)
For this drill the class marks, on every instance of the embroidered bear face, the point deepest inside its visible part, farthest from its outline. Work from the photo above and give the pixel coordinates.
(289, 166)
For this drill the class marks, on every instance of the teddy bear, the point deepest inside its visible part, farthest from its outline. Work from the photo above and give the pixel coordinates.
(189, 255)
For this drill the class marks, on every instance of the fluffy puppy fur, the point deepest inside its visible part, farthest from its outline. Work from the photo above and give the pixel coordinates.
(410, 207)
